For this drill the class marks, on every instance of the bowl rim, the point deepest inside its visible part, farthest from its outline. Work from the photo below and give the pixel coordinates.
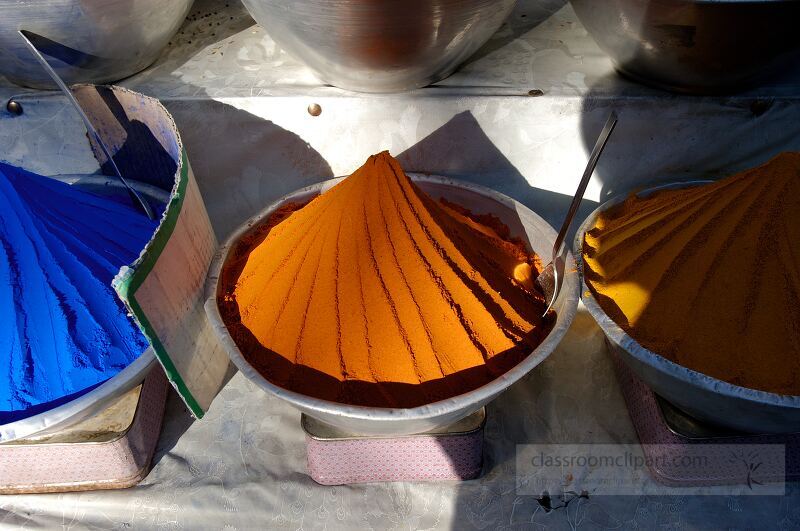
(568, 299)
(618, 336)
(83, 407)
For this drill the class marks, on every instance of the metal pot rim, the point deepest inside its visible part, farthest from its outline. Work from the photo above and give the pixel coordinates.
(568, 300)
(617, 335)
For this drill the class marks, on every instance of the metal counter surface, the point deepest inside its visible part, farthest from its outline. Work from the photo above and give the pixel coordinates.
(241, 106)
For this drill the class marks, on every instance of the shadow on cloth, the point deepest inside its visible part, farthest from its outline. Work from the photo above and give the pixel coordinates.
(658, 141)
(177, 421)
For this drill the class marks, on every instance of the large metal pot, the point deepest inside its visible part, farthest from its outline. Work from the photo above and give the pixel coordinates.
(700, 46)
(704, 397)
(86, 41)
(403, 421)
(381, 45)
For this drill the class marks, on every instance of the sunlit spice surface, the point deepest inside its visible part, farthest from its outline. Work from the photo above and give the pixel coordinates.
(375, 294)
(63, 330)
(709, 276)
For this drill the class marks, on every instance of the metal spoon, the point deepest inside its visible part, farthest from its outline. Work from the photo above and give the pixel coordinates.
(135, 197)
(552, 275)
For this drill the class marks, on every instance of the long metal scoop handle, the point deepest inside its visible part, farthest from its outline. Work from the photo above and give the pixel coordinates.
(135, 197)
(556, 266)
(611, 122)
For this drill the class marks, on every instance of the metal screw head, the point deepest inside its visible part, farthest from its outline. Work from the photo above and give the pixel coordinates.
(314, 109)
(14, 107)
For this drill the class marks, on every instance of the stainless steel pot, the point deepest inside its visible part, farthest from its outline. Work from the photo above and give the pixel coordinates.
(700, 46)
(404, 421)
(97, 41)
(702, 396)
(381, 45)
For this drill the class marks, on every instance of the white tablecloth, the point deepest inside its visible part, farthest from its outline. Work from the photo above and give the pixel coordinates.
(240, 104)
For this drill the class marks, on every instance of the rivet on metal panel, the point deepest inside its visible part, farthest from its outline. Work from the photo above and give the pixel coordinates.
(14, 107)
(314, 109)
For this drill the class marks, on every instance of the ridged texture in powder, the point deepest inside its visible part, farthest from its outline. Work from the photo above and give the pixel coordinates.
(375, 294)
(63, 330)
(709, 276)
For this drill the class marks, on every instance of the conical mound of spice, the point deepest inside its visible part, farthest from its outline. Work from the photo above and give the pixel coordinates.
(709, 276)
(375, 294)
(63, 330)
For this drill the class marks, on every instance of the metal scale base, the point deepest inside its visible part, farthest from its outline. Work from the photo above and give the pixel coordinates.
(112, 450)
(658, 422)
(453, 453)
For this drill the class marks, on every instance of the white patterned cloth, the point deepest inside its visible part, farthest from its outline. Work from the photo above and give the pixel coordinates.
(243, 467)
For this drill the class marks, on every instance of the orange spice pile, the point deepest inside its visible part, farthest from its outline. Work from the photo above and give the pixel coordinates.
(375, 294)
(709, 276)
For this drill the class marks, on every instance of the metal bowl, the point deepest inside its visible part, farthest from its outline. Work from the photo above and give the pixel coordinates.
(404, 421)
(700, 46)
(702, 396)
(87, 41)
(381, 45)
(99, 398)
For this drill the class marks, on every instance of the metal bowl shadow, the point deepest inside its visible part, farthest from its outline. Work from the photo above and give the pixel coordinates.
(694, 46)
(103, 395)
(704, 397)
(404, 421)
(381, 45)
(86, 41)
